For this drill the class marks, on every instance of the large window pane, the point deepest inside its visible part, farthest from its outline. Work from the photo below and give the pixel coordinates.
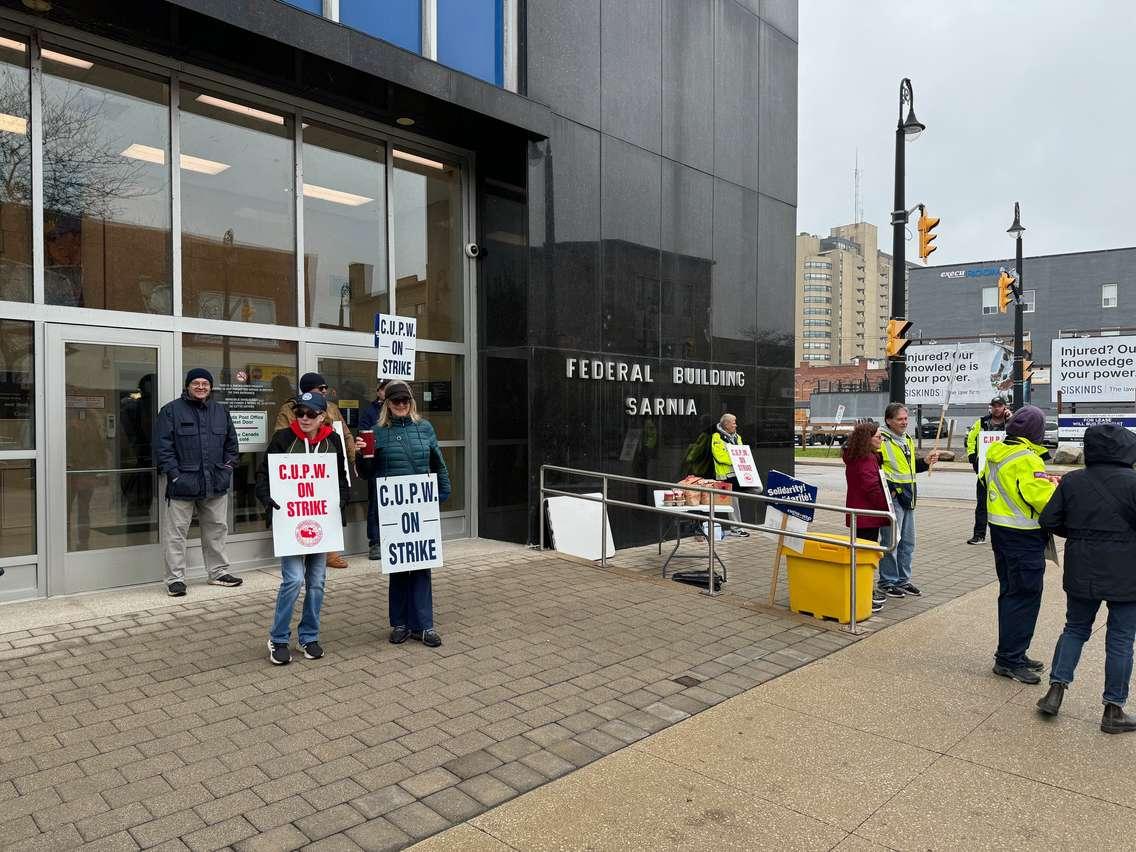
(17, 508)
(345, 230)
(455, 466)
(17, 386)
(254, 378)
(396, 21)
(427, 248)
(238, 211)
(106, 187)
(16, 166)
(470, 37)
(439, 389)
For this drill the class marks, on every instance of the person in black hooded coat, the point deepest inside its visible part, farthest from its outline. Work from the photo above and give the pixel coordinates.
(1095, 511)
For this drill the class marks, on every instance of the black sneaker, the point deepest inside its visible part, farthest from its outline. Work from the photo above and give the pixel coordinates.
(375, 552)
(312, 650)
(399, 635)
(1032, 664)
(1021, 674)
(893, 591)
(877, 605)
(429, 638)
(176, 589)
(976, 539)
(279, 653)
(226, 580)
(740, 533)
(909, 589)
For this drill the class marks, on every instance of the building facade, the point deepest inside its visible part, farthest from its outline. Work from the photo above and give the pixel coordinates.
(587, 206)
(1088, 293)
(843, 283)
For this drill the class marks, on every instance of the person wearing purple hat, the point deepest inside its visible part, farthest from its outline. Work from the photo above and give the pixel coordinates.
(1017, 491)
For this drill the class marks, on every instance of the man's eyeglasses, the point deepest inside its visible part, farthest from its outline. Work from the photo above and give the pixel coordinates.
(307, 413)
(200, 385)
(322, 388)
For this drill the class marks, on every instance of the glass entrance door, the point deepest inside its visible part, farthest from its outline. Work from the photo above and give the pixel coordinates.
(105, 387)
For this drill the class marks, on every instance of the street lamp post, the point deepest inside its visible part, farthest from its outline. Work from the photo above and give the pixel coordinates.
(905, 127)
(1016, 230)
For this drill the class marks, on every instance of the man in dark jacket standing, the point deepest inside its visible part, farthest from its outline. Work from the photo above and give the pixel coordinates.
(196, 450)
(1095, 511)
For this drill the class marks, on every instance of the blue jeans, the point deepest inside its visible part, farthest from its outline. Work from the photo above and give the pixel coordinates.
(1079, 616)
(1019, 559)
(308, 570)
(895, 568)
(372, 514)
(411, 600)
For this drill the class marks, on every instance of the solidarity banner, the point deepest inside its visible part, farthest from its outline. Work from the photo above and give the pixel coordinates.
(307, 489)
(1094, 369)
(410, 522)
(396, 338)
(958, 373)
(789, 516)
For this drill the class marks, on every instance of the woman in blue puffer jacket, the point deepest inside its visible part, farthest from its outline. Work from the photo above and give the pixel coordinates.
(405, 444)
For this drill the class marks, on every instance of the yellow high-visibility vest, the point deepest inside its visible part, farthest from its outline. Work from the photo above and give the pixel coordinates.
(898, 460)
(1014, 495)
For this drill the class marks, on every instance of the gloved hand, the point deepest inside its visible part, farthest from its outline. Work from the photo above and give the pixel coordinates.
(973, 459)
(271, 504)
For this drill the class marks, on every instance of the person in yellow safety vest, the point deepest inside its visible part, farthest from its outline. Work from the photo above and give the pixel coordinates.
(900, 465)
(995, 421)
(727, 433)
(1017, 490)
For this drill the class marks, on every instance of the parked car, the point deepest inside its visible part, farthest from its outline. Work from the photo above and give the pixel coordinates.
(1050, 439)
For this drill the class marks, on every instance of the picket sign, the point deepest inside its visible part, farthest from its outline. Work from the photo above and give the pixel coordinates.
(985, 439)
(410, 522)
(307, 491)
(745, 470)
(337, 428)
(396, 338)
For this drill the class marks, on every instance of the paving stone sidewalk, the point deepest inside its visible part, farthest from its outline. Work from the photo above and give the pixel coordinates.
(167, 727)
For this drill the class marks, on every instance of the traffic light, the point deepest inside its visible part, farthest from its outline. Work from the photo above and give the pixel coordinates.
(927, 224)
(1005, 291)
(895, 342)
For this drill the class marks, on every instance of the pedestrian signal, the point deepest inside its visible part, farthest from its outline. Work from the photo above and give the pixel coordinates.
(897, 328)
(1005, 291)
(927, 224)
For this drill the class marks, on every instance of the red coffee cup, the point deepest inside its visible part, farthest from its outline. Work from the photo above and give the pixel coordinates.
(368, 436)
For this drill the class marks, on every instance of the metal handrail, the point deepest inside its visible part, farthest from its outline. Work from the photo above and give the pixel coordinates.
(606, 501)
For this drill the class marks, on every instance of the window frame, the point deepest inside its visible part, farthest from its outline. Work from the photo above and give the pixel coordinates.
(1115, 296)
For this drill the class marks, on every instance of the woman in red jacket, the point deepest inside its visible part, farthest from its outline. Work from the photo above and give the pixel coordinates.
(865, 487)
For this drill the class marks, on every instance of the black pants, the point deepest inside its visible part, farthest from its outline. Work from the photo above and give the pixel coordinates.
(869, 533)
(1019, 559)
(979, 509)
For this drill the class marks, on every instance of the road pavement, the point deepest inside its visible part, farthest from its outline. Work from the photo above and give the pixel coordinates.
(942, 484)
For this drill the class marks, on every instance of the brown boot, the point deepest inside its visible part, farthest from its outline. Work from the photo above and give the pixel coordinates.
(334, 560)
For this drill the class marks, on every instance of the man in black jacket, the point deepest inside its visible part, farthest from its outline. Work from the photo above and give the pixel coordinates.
(196, 450)
(1095, 511)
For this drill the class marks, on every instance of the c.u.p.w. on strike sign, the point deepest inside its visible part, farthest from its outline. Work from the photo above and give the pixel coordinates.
(306, 485)
(411, 528)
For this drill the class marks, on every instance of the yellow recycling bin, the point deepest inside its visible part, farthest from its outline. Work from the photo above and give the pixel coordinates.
(818, 579)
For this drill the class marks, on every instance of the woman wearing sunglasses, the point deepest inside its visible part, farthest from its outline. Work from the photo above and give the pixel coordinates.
(308, 433)
(405, 444)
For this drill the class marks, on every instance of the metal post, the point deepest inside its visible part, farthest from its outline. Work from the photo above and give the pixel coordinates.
(540, 511)
(852, 590)
(1019, 344)
(710, 590)
(603, 526)
(897, 368)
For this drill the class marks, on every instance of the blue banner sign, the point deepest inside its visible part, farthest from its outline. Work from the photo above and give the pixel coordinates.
(782, 485)
(1071, 427)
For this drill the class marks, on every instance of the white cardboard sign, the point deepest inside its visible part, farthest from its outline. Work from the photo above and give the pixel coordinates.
(410, 522)
(744, 467)
(307, 488)
(396, 338)
(985, 439)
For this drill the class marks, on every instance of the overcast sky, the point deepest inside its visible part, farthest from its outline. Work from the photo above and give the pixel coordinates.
(1023, 101)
